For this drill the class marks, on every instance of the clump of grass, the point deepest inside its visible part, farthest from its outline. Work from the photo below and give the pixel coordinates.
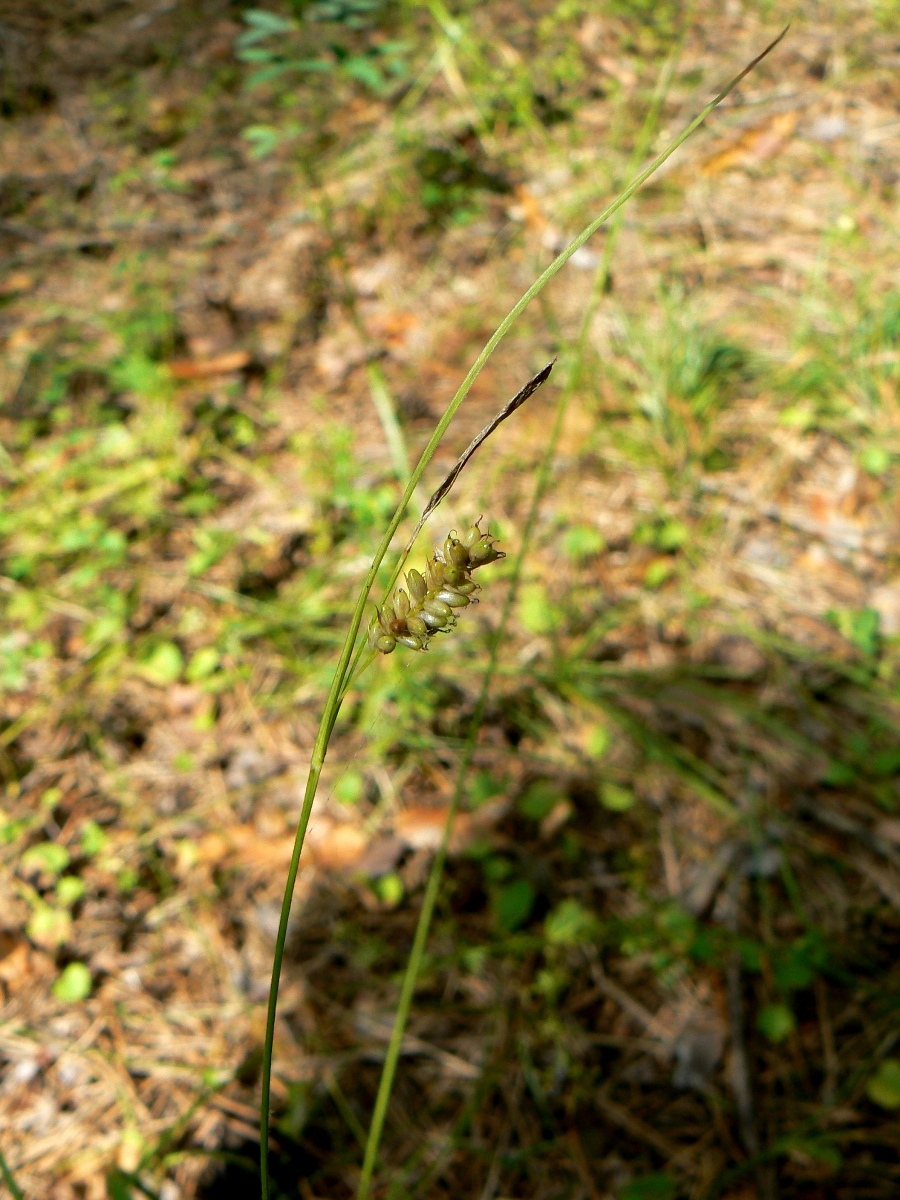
(349, 656)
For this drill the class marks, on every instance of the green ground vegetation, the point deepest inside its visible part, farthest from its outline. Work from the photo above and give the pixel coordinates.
(663, 959)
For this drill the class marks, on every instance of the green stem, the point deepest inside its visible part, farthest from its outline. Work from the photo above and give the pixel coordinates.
(384, 406)
(6, 1174)
(432, 888)
(333, 702)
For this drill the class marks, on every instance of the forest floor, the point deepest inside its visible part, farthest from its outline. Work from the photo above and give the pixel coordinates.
(245, 260)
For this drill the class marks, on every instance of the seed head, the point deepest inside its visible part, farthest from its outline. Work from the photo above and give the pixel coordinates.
(426, 605)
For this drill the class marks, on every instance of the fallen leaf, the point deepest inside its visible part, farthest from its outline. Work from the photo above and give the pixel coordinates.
(754, 145)
(889, 829)
(341, 847)
(528, 209)
(886, 602)
(422, 827)
(204, 368)
(130, 1152)
(15, 960)
(393, 327)
(556, 818)
(18, 281)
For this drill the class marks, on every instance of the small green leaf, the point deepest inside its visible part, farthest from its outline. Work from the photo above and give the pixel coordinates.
(671, 535)
(49, 927)
(884, 1086)
(821, 1152)
(389, 889)
(263, 139)
(536, 614)
(796, 966)
(538, 799)
(69, 890)
(775, 1021)
(582, 541)
(350, 787)
(365, 71)
(570, 924)
(202, 665)
(615, 798)
(798, 416)
(164, 665)
(513, 905)
(875, 459)
(657, 573)
(127, 880)
(46, 857)
(838, 774)
(483, 786)
(119, 1186)
(74, 984)
(597, 741)
(496, 868)
(650, 1187)
(887, 762)
(93, 839)
(263, 24)
(859, 626)
(212, 546)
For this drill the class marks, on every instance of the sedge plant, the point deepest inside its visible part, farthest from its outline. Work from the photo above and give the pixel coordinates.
(351, 654)
(571, 383)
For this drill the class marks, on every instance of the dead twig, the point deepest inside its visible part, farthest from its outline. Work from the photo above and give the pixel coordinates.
(638, 1129)
(581, 1164)
(740, 1068)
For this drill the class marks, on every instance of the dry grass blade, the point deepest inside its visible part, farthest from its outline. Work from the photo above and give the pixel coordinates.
(508, 409)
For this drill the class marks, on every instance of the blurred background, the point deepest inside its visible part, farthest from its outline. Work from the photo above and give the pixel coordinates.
(248, 253)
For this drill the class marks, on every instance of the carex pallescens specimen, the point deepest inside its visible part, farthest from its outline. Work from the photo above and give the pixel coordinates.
(348, 660)
(426, 605)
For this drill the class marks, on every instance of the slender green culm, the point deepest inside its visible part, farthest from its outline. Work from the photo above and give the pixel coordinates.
(335, 695)
(7, 1176)
(434, 880)
(432, 887)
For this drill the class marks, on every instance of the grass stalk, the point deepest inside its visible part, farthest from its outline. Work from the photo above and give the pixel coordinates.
(9, 1179)
(335, 695)
(432, 888)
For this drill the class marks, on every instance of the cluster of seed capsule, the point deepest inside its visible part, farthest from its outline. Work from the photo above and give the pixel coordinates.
(426, 605)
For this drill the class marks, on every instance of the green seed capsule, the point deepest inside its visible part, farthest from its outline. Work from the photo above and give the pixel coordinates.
(471, 536)
(434, 574)
(437, 608)
(417, 586)
(483, 552)
(456, 554)
(426, 605)
(452, 598)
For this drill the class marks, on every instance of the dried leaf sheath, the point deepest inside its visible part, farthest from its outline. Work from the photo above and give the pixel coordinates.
(507, 411)
(426, 605)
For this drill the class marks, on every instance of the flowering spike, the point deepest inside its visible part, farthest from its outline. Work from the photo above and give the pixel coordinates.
(412, 616)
